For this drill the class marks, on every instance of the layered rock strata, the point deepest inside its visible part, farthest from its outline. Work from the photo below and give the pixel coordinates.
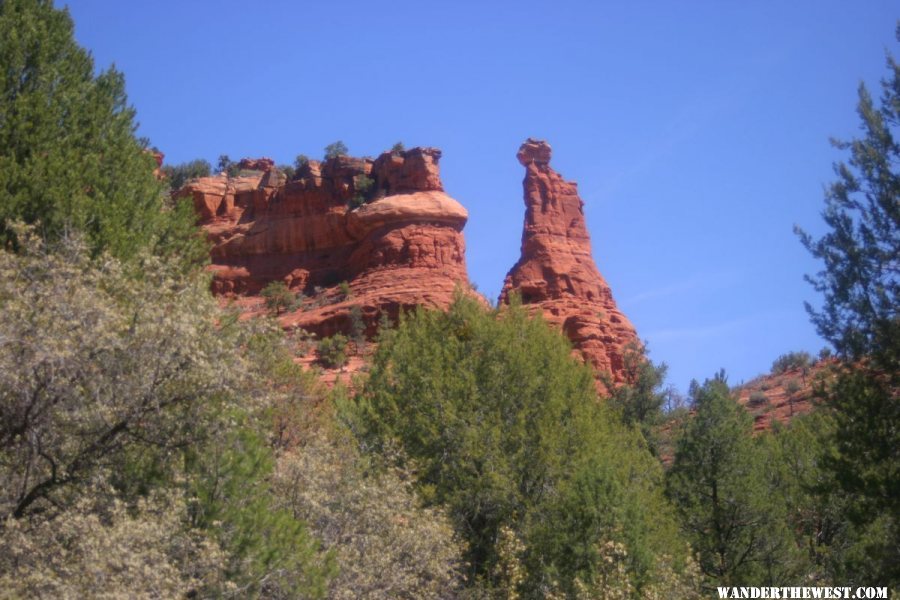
(556, 272)
(385, 227)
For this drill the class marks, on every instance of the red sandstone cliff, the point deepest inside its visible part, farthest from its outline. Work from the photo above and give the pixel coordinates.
(403, 247)
(556, 271)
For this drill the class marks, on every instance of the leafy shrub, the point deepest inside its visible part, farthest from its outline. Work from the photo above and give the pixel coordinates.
(398, 148)
(279, 297)
(363, 186)
(757, 399)
(95, 363)
(332, 351)
(114, 549)
(270, 552)
(385, 544)
(792, 387)
(357, 327)
(116, 388)
(791, 361)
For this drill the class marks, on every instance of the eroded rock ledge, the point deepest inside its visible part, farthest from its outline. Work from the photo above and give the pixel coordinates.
(402, 248)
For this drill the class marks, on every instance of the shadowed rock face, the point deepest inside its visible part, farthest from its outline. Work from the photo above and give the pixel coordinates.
(556, 272)
(402, 249)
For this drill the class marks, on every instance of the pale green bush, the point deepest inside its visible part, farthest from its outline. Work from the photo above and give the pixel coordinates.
(108, 551)
(386, 545)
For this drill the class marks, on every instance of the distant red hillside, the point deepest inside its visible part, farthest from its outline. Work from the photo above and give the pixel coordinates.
(782, 396)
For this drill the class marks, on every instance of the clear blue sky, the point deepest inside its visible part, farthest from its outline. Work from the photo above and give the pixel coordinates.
(697, 131)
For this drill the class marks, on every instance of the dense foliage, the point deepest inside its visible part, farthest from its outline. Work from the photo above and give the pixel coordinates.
(718, 482)
(641, 399)
(117, 391)
(178, 175)
(505, 430)
(385, 543)
(69, 158)
(334, 150)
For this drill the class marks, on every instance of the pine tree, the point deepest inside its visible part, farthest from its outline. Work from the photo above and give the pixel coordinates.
(69, 157)
(861, 318)
(718, 483)
(861, 278)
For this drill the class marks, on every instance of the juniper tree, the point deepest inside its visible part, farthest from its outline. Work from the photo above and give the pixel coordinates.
(69, 157)
(506, 432)
(718, 482)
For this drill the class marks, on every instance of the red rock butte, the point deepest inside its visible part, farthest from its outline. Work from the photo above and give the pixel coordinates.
(387, 229)
(401, 247)
(556, 271)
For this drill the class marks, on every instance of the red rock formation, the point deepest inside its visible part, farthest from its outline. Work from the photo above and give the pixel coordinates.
(779, 397)
(257, 164)
(556, 271)
(400, 248)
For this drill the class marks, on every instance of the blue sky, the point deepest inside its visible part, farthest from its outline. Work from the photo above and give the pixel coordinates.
(697, 131)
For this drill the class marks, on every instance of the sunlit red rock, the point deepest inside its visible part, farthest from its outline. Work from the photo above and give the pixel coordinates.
(400, 249)
(556, 272)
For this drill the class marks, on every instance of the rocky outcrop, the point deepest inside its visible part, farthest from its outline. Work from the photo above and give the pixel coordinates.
(779, 397)
(556, 272)
(387, 228)
(383, 226)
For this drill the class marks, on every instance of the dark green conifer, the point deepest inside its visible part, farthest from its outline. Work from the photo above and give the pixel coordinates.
(69, 157)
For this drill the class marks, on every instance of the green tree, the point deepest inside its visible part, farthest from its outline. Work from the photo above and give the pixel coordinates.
(178, 175)
(279, 297)
(790, 361)
(332, 351)
(385, 543)
(270, 552)
(817, 516)
(335, 149)
(505, 430)
(719, 484)
(69, 158)
(227, 166)
(640, 401)
(860, 283)
(861, 276)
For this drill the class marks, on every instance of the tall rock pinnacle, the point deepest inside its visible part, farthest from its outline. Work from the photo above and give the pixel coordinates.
(556, 271)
